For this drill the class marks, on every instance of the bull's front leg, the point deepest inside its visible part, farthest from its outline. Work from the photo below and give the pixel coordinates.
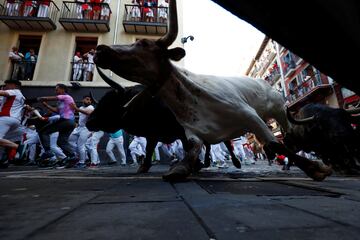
(146, 164)
(316, 170)
(234, 159)
(183, 169)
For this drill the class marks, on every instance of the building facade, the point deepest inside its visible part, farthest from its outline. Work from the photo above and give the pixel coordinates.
(298, 81)
(58, 30)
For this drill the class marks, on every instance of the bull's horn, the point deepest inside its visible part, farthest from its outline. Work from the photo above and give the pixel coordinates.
(353, 111)
(298, 121)
(109, 81)
(172, 33)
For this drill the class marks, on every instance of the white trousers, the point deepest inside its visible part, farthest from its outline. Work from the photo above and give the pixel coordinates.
(92, 144)
(119, 144)
(31, 141)
(43, 10)
(137, 147)
(54, 147)
(217, 154)
(78, 140)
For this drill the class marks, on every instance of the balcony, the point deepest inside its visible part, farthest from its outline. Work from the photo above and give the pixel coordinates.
(22, 70)
(85, 17)
(273, 76)
(82, 71)
(29, 15)
(139, 20)
(289, 68)
(311, 90)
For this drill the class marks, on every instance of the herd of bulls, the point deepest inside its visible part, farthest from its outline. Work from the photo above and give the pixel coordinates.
(172, 103)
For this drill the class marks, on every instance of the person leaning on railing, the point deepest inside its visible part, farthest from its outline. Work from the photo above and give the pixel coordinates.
(105, 10)
(43, 8)
(18, 67)
(12, 8)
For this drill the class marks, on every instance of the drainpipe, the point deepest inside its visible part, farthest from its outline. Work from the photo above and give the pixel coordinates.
(116, 25)
(280, 67)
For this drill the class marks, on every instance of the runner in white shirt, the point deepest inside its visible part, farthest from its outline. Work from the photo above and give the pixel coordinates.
(81, 134)
(11, 112)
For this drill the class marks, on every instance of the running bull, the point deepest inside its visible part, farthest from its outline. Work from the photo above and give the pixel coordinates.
(211, 109)
(329, 133)
(147, 116)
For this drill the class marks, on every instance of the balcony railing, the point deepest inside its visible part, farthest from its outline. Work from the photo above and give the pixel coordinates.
(22, 70)
(289, 68)
(85, 17)
(82, 71)
(36, 15)
(145, 20)
(310, 83)
(273, 76)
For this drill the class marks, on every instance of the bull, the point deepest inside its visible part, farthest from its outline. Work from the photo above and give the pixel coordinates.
(210, 108)
(148, 117)
(327, 132)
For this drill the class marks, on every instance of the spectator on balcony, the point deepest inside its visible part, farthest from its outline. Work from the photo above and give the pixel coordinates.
(105, 10)
(12, 8)
(77, 67)
(30, 63)
(18, 67)
(96, 8)
(79, 8)
(86, 9)
(44, 8)
(90, 65)
(30, 8)
(162, 13)
(135, 12)
(149, 13)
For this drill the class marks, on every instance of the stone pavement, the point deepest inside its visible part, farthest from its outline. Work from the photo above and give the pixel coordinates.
(114, 203)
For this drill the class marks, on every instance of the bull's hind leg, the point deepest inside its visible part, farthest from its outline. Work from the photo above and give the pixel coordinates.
(234, 159)
(207, 155)
(146, 164)
(316, 170)
(183, 169)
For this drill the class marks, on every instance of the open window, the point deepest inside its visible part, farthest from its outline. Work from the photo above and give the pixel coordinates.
(82, 61)
(24, 57)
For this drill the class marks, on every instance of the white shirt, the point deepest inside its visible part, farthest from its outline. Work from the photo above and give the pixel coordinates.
(83, 117)
(13, 105)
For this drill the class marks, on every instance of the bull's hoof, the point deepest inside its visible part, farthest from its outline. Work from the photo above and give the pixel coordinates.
(319, 171)
(237, 163)
(143, 169)
(198, 166)
(177, 173)
(206, 164)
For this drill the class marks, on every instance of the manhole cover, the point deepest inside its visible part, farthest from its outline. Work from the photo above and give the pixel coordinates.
(261, 189)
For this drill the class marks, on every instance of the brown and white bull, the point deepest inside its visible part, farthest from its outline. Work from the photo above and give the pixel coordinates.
(210, 108)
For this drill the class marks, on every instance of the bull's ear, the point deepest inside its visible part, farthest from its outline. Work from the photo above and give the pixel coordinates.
(176, 54)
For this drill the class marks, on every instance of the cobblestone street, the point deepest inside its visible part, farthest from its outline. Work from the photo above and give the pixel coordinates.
(255, 202)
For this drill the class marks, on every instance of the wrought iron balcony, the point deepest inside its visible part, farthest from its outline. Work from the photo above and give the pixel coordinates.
(36, 15)
(22, 70)
(311, 89)
(85, 17)
(145, 20)
(82, 71)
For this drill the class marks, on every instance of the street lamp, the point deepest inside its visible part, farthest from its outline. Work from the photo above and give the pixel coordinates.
(184, 39)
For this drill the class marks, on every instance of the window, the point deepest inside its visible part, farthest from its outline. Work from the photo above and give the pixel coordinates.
(82, 61)
(24, 57)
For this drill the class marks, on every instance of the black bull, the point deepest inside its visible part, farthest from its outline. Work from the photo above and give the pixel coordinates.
(327, 132)
(147, 117)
